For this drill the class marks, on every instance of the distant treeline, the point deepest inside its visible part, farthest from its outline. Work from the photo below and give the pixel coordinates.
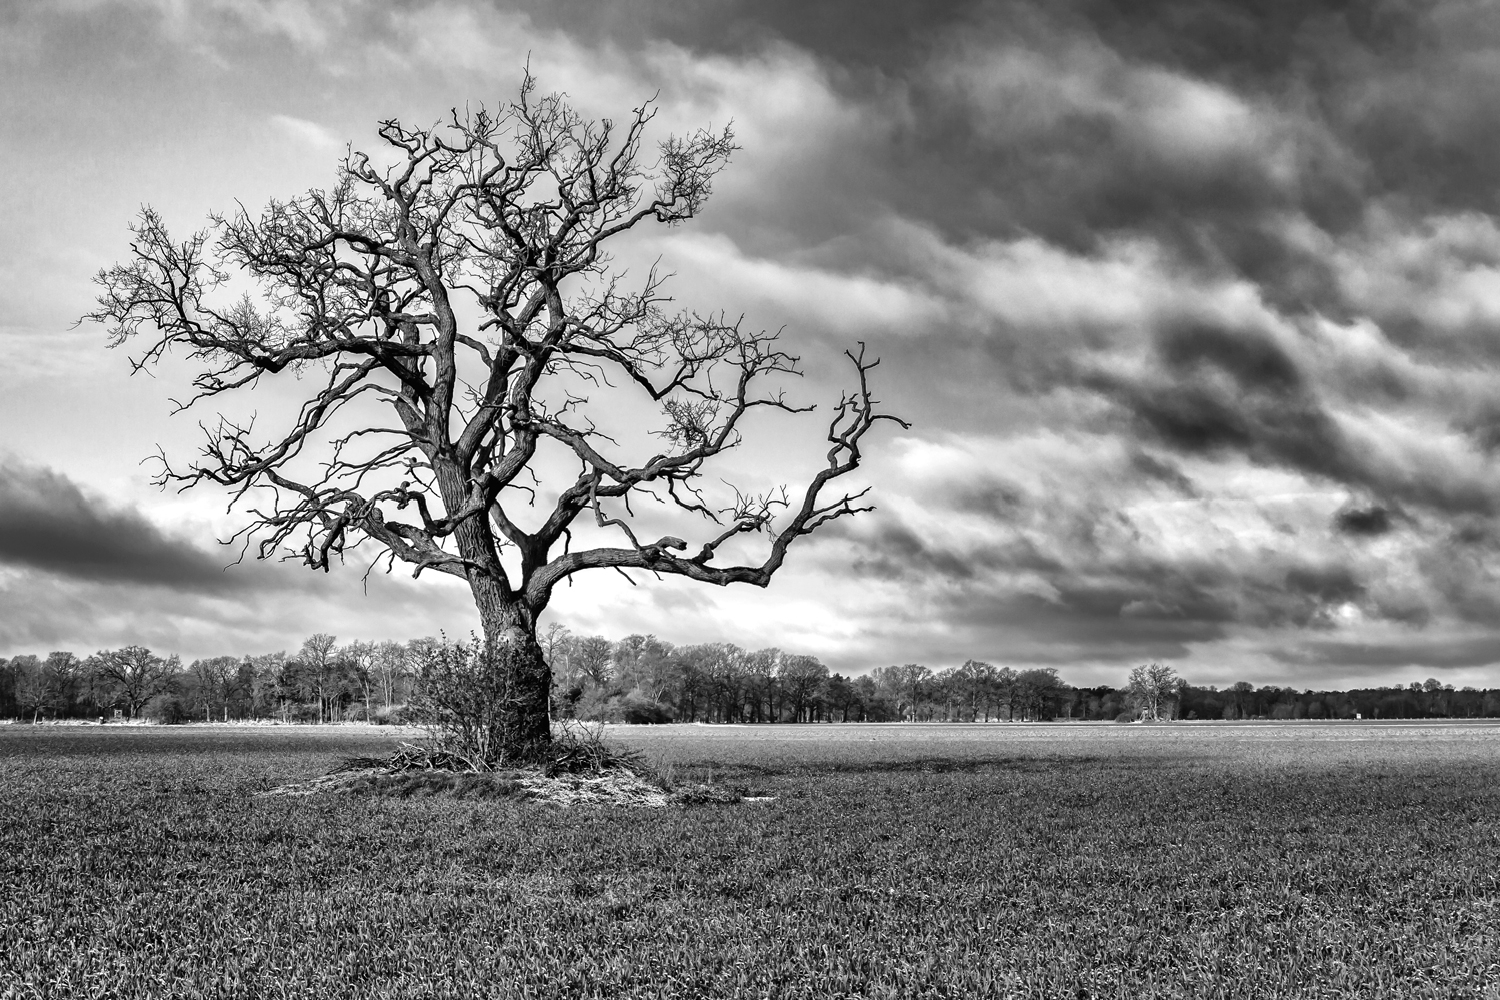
(643, 679)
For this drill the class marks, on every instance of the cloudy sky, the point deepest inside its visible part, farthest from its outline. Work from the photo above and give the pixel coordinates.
(1194, 308)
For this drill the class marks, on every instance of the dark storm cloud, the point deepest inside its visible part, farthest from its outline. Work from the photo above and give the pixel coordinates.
(1204, 124)
(1218, 390)
(48, 523)
(1135, 608)
(893, 551)
(1254, 362)
(995, 500)
(1163, 471)
(882, 35)
(1364, 522)
(1436, 651)
(1215, 391)
(1067, 592)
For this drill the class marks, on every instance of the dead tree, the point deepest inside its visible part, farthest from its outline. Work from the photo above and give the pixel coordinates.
(460, 279)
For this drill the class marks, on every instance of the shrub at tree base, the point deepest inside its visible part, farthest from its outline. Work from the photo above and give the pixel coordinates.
(466, 699)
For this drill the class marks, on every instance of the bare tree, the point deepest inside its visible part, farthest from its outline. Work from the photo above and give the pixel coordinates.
(358, 661)
(213, 677)
(1150, 685)
(392, 666)
(319, 667)
(136, 673)
(654, 670)
(63, 672)
(760, 684)
(1036, 692)
(468, 288)
(799, 676)
(725, 668)
(906, 684)
(592, 656)
(31, 684)
(1002, 691)
(556, 644)
(266, 688)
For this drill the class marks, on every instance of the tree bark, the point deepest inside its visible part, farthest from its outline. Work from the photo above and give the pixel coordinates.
(522, 721)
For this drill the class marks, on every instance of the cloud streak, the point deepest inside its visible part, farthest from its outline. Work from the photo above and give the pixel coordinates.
(49, 523)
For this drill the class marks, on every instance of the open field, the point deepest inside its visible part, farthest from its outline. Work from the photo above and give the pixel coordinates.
(1347, 860)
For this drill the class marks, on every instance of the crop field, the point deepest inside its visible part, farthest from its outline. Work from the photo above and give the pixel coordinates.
(1340, 860)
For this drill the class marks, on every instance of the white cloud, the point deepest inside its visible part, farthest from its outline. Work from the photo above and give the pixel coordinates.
(1020, 94)
(307, 133)
(713, 272)
(307, 24)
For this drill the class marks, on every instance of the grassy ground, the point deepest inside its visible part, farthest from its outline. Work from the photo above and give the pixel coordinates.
(895, 861)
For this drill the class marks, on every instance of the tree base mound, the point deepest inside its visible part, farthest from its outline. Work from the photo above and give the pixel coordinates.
(615, 787)
(612, 787)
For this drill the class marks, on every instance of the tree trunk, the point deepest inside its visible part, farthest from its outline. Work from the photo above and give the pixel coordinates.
(523, 724)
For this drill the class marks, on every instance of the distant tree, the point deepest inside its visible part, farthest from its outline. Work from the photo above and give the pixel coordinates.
(655, 669)
(1000, 689)
(246, 691)
(136, 673)
(319, 669)
(30, 685)
(64, 675)
(392, 666)
(287, 683)
(840, 695)
(691, 681)
(888, 682)
(1037, 691)
(946, 692)
(868, 704)
(261, 679)
(724, 668)
(556, 644)
(357, 665)
(799, 677)
(8, 707)
(914, 681)
(644, 662)
(97, 689)
(1152, 684)
(592, 658)
(972, 679)
(626, 652)
(1242, 699)
(761, 689)
(212, 678)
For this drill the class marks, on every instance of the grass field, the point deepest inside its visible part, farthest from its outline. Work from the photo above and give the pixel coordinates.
(1301, 860)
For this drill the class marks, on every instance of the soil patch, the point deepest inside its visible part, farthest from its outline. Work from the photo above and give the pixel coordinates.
(610, 788)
